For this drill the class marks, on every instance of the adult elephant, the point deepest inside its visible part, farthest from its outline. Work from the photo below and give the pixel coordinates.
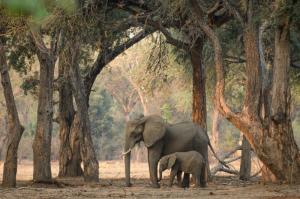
(162, 139)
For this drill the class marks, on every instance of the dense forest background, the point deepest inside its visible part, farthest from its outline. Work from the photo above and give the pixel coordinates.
(128, 87)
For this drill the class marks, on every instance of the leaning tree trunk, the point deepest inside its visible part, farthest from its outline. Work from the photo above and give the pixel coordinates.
(69, 152)
(15, 129)
(42, 140)
(199, 95)
(245, 166)
(88, 155)
(215, 131)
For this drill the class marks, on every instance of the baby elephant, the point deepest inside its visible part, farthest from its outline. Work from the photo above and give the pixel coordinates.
(190, 162)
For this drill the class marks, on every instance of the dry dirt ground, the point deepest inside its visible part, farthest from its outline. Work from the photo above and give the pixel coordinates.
(111, 185)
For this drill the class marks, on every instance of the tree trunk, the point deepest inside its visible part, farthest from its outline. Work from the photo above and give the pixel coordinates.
(15, 129)
(199, 95)
(272, 139)
(245, 166)
(266, 175)
(215, 131)
(90, 162)
(42, 140)
(284, 162)
(69, 152)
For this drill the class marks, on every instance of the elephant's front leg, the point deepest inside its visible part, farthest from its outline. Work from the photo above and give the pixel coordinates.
(154, 155)
(179, 180)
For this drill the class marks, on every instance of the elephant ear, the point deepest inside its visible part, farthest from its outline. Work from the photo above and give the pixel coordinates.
(172, 160)
(154, 129)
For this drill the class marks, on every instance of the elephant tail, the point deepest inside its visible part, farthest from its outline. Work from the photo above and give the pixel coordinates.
(216, 156)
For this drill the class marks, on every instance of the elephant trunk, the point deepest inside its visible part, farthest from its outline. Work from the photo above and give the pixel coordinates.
(127, 169)
(127, 154)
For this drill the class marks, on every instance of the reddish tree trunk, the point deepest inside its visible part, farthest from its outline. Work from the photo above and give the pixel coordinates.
(199, 95)
(215, 131)
(15, 129)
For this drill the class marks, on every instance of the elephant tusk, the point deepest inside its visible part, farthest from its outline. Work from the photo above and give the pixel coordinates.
(124, 153)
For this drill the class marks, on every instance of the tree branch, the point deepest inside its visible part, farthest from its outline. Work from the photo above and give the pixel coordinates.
(235, 12)
(109, 55)
(227, 155)
(39, 43)
(235, 118)
(167, 34)
(229, 171)
(58, 44)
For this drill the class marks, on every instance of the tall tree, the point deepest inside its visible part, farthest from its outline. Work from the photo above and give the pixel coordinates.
(69, 152)
(42, 140)
(108, 52)
(15, 129)
(88, 155)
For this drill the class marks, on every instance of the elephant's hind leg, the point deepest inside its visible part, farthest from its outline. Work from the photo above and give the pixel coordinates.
(203, 178)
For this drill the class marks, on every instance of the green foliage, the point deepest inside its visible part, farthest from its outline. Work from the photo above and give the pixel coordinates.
(39, 10)
(34, 8)
(166, 112)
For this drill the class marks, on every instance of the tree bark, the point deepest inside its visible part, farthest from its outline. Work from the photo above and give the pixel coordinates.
(42, 140)
(245, 166)
(15, 129)
(69, 152)
(199, 95)
(88, 155)
(280, 134)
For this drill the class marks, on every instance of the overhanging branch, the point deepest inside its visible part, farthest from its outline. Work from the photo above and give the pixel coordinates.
(169, 38)
(107, 56)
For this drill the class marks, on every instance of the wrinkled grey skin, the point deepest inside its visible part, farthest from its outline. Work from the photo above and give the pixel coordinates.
(190, 162)
(162, 139)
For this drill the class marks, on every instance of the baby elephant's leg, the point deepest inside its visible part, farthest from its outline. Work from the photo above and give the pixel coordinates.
(186, 180)
(172, 176)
